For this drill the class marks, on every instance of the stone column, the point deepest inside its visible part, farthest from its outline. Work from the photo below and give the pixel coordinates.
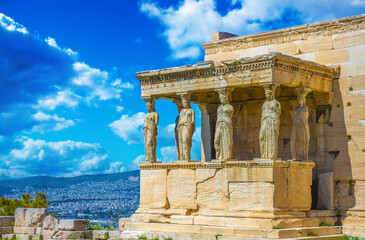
(206, 135)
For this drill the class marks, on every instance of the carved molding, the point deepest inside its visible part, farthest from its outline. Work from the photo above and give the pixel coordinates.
(230, 67)
(303, 32)
(235, 164)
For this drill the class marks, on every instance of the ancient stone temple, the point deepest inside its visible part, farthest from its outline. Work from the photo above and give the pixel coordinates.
(282, 138)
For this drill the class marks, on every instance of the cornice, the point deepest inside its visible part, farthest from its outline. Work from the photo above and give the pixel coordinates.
(302, 32)
(212, 69)
(231, 164)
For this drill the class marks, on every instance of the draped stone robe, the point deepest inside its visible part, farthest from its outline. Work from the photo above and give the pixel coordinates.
(269, 132)
(223, 139)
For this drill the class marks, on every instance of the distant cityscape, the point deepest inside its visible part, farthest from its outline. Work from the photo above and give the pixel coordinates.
(104, 201)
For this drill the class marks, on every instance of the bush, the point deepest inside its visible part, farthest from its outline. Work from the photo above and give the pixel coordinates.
(94, 227)
(324, 224)
(142, 237)
(277, 227)
(8, 206)
(353, 238)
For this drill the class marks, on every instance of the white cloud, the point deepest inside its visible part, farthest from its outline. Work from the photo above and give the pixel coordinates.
(116, 167)
(129, 128)
(119, 108)
(65, 98)
(92, 163)
(98, 82)
(13, 173)
(359, 3)
(136, 161)
(52, 42)
(167, 132)
(63, 158)
(49, 122)
(10, 25)
(168, 154)
(192, 21)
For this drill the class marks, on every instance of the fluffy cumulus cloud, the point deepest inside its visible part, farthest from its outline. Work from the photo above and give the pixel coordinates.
(191, 22)
(40, 81)
(10, 25)
(62, 158)
(42, 75)
(129, 128)
(49, 122)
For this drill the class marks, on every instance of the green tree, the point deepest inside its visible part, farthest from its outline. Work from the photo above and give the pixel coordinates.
(40, 201)
(8, 206)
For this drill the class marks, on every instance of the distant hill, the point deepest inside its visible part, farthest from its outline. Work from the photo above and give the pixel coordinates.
(61, 182)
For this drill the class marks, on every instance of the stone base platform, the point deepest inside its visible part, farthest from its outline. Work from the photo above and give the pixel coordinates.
(254, 225)
(260, 198)
(160, 230)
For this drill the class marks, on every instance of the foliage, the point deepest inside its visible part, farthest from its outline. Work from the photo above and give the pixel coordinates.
(324, 224)
(94, 227)
(156, 238)
(142, 237)
(52, 214)
(217, 236)
(109, 228)
(353, 238)
(277, 227)
(98, 227)
(168, 238)
(8, 206)
(12, 238)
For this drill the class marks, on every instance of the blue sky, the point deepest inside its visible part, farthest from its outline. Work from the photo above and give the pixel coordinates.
(69, 101)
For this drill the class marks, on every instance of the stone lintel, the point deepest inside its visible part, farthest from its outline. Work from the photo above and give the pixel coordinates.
(227, 164)
(272, 68)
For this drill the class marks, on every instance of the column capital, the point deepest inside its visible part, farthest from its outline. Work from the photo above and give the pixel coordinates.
(302, 91)
(203, 108)
(184, 95)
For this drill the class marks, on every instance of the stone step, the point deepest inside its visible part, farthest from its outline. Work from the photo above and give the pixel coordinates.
(303, 232)
(242, 233)
(327, 237)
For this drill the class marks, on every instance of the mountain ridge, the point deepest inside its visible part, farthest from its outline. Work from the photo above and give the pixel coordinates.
(61, 182)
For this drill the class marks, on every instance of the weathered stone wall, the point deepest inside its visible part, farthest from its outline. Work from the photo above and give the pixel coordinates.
(338, 130)
(233, 186)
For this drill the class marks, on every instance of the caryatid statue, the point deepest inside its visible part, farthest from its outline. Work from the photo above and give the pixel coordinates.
(186, 128)
(299, 140)
(223, 139)
(150, 130)
(270, 122)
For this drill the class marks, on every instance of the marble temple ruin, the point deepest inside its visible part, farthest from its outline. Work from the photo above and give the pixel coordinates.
(282, 137)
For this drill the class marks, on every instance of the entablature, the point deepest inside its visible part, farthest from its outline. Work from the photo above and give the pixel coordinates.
(273, 68)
